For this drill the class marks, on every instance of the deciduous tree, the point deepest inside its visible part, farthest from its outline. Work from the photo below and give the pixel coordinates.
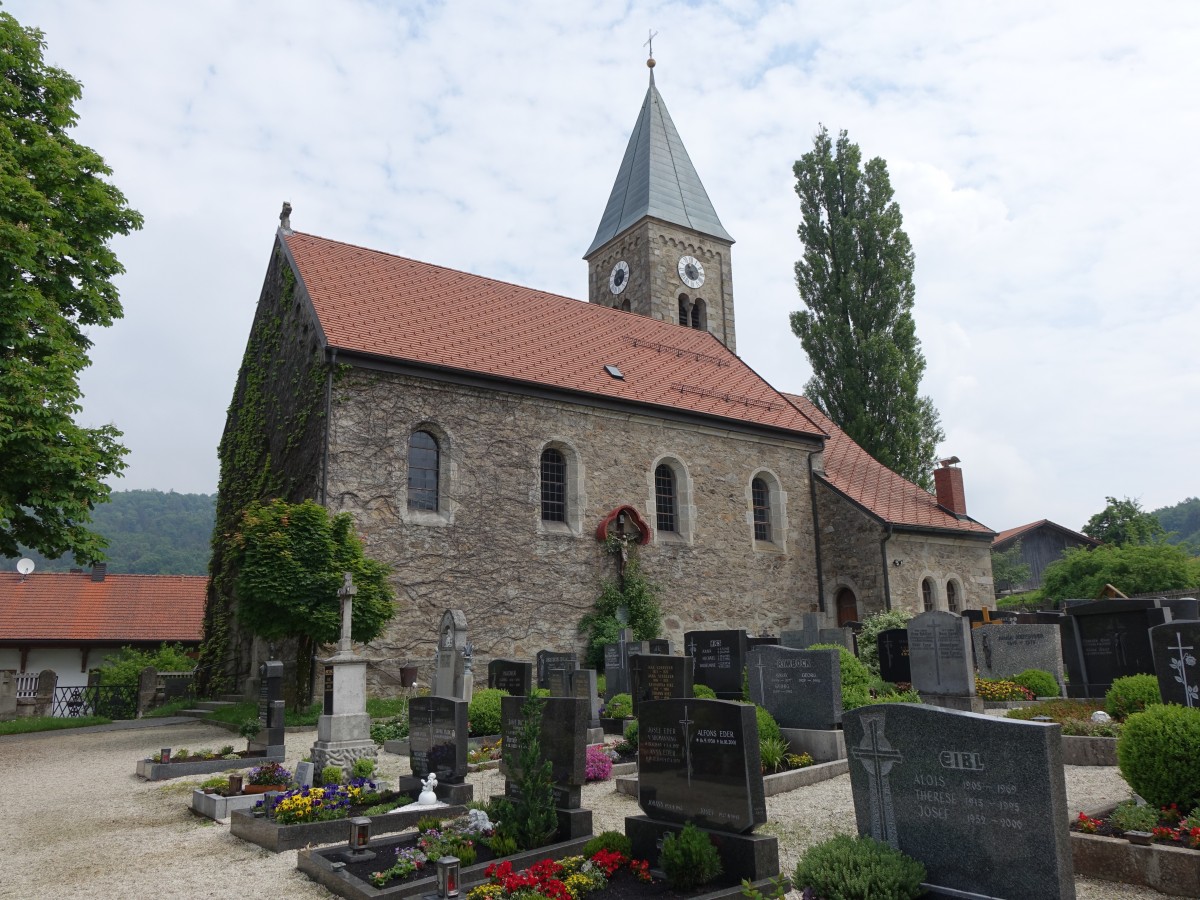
(1132, 569)
(57, 214)
(1008, 568)
(1124, 522)
(856, 281)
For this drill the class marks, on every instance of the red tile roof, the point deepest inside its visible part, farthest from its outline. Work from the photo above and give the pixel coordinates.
(890, 497)
(50, 606)
(1010, 534)
(388, 306)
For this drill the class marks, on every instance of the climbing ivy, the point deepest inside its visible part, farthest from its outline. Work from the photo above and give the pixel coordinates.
(633, 591)
(271, 448)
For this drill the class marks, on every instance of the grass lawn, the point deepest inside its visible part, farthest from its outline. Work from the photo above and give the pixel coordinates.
(48, 723)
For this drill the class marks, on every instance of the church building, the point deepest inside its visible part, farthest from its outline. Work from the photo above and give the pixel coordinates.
(484, 435)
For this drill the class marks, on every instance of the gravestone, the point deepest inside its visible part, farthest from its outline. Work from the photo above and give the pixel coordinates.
(939, 656)
(437, 738)
(763, 641)
(800, 688)
(558, 681)
(8, 694)
(981, 801)
(808, 634)
(304, 774)
(1109, 639)
(271, 708)
(656, 677)
(1002, 651)
(512, 675)
(344, 728)
(842, 637)
(719, 658)
(893, 655)
(549, 660)
(616, 667)
(583, 687)
(450, 665)
(1175, 662)
(563, 741)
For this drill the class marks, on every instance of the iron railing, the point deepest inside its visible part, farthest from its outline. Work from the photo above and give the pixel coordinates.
(95, 700)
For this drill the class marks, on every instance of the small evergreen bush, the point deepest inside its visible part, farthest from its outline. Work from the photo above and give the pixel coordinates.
(703, 692)
(530, 819)
(862, 868)
(331, 775)
(619, 707)
(689, 859)
(768, 728)
(1157, 753)
(483, 715)
(1128, 816)
(1042, 683)
(608, 840)
(364, 767)
(631, 734)
(1130, 695)
(856, 678)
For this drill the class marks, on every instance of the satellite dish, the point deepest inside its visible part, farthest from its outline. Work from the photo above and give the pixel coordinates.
(25, 565)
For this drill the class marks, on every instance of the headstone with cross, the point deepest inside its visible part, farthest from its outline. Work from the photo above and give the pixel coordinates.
(799, 688)
(437, 738)
(1002, 651)
(512, 675)
(452, 651)
(893, 655)
(1110, 639)
(966, 795)
(1175, 661)
(808, 634)
(939, 655)
(720, 657)
(654, 676)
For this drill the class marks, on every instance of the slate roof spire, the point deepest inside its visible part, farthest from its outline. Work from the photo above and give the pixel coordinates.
(657, 179)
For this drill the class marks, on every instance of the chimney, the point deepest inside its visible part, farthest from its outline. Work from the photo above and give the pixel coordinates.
(948, 484)
(99, 570)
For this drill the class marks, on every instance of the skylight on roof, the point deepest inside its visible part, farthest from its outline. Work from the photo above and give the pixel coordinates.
(614, 372)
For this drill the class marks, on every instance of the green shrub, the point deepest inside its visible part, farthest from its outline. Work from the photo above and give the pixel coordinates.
(773, 753)
(1130, 695)
(483, 715)
(608, 840)
(631, 734)
(124, 669)
(1157, 753)
(768, 728)
(703, 692)
(856, 678)
(331, 775)
(881, 688)
(601, 684)
(868, 648)
(855, 697)
(529, 819)
(394, 729)
(250, 728)
(364, 767)
(502, 844)
(619, 707)
(689, 859)
(849, 868)
(428, 823)
(898, 697)
(1042, 683)
(380, 809)
(1128, 816)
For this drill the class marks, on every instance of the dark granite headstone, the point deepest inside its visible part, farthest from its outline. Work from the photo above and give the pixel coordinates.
(763, 641)
(616, 670)
(548, 660)
(939, 654)
(271, 707)
(893, 655)
(1175, 661)
(512, 675)
(558, 681)
(698, 762)
(981, 801)
(800, 688)
(437, 737)
(563, 741)
(656, 677)
(583, 687)
(1111, 639)
(1002, 651)
(327, 690)
(720, 657)
(808, 634)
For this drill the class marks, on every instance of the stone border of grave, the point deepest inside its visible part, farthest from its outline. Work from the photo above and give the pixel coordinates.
(1083, 750)
(153, 771)
(777, 783)
(270, 835)
(215, 806)
(1171, 870)
(324, 867)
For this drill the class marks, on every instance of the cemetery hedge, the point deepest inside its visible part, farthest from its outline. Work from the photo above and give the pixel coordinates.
(1157, 754)
(483, 714)
(124, 669)
(856, 677)
(858, 868)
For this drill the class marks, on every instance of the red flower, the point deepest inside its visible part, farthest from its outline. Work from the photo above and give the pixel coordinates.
(609, 861)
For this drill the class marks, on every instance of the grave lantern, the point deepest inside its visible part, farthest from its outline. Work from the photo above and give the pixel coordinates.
(235, 784)
(447, 877)
(270, 798)
(360, 836)
(164, 755)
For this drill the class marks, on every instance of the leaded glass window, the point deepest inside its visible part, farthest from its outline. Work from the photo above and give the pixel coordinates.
(422, 471)
(554, 486)
(762, 509)
(664, 498)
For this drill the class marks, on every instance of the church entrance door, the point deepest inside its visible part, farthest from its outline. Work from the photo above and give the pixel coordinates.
(847, 607)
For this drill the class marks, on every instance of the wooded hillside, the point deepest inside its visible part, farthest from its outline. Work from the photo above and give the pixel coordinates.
(1184, 520)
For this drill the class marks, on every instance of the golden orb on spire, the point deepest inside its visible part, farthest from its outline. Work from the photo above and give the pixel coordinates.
(650, 63)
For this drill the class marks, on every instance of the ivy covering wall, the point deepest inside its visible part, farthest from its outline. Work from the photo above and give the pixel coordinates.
(272, 447)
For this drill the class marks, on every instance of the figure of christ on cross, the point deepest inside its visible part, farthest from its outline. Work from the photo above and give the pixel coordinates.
(878, 757)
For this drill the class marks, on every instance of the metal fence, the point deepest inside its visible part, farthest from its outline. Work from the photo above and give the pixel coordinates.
(95, 700)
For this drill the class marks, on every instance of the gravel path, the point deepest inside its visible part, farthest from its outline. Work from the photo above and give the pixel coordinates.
(78, 823)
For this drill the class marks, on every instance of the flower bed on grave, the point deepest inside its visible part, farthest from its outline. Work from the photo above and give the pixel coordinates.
(1165, 857)
(202, 762)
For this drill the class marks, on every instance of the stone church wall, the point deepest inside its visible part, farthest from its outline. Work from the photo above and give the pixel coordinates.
(850, 555)
(525, 584)
(942, 559)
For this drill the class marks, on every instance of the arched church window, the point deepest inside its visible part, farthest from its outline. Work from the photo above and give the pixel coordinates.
(951, 596)
(422, 471)
(699, 315)
(554, 486)
(665, 499)
(927, 594)
(684, 305)
(761, 498)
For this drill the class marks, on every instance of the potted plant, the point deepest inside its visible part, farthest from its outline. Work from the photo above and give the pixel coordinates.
(267, 777)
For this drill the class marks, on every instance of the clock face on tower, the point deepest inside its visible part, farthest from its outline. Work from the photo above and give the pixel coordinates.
(618, 278)
(691, 272)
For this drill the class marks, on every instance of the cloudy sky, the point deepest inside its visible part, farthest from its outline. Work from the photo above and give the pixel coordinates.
(1041, 155)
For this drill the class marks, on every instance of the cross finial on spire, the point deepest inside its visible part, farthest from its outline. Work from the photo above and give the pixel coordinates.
(650, 43)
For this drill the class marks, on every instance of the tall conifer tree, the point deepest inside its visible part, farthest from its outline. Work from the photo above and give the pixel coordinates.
(856, 281)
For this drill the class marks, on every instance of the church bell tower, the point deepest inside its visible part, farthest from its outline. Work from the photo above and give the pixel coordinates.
(660, 250)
